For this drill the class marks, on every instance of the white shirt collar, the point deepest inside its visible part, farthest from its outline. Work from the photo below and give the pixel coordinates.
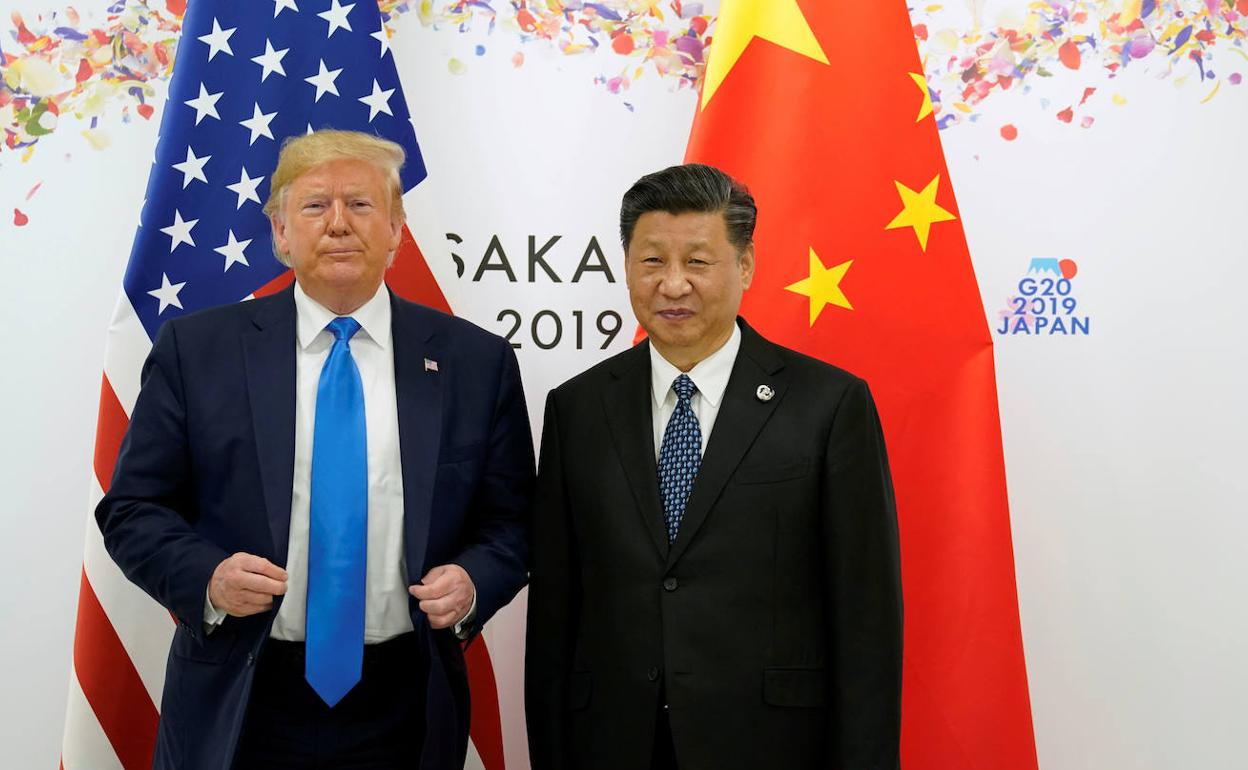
(373, 317)
(710, 375)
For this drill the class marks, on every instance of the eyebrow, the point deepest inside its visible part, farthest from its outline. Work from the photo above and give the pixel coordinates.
(321, 192)
(703, 243)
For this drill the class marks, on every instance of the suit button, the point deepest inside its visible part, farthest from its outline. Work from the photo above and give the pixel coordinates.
(653, 674)
(670, 584)
(251, 658)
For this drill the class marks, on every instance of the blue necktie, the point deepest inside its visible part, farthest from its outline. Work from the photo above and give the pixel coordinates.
(338, 523)
(679, 456)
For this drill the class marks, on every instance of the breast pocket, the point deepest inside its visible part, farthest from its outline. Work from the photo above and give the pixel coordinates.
(772, 472)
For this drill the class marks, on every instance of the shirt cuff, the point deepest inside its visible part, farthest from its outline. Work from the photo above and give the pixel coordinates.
(463, 628)
(214, 617)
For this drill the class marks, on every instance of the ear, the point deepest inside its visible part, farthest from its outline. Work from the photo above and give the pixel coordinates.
(747, 266)
(279, 234)
(396, 231)
(628, 273)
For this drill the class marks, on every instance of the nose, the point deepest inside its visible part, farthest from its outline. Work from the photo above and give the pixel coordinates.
(673, 283)
(338, 219)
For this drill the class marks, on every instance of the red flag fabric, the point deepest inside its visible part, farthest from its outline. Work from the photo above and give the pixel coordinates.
(822, 109)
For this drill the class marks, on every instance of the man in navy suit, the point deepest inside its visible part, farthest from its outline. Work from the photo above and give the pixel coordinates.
(329, 489)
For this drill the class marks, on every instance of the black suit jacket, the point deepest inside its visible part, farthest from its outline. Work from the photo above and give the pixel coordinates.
(206, 470)
(772, 626)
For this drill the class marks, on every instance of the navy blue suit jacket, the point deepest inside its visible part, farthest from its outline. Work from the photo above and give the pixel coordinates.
(206, 470)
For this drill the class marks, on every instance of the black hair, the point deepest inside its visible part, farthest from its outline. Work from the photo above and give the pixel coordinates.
(692, 187)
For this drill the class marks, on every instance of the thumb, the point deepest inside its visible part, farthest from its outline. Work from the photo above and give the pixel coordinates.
(433, 574)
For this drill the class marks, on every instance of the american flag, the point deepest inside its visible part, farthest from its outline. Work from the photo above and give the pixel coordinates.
(247, 75)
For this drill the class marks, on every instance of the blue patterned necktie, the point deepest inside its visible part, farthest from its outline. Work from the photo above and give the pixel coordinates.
(338, 523)
(679, 455)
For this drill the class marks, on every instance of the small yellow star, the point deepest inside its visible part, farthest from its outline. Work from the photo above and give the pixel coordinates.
(919, 210)
(740, 21)
(925, 109)
(823, 286)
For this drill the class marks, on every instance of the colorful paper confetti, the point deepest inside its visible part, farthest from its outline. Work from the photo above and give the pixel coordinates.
(83, 64)
(668, 38)
(86, 64)
(106, 60)
(1102, 39)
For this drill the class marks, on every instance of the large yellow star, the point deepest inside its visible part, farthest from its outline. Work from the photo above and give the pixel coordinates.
(925, 108)
(919, 210)
(823, 286)
(740, 21)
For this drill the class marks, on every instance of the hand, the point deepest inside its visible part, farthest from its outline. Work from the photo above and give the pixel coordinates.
(245, 584)
(445, 595)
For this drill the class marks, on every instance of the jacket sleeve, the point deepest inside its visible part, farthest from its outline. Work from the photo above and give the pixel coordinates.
(147, 512)
(863, 586)
(553, 596)
(496, 551)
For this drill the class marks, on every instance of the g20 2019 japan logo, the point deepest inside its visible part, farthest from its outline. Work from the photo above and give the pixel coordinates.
(1045, 302)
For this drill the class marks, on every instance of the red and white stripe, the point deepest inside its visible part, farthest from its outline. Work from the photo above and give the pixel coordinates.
(122, 636)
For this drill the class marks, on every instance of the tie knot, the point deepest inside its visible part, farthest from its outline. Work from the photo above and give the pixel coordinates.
(343, 328)
(684, 388)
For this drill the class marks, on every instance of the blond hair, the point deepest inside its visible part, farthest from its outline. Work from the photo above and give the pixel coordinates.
(301, 154)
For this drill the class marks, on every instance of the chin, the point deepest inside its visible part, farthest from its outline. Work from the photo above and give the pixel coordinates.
(674, 341)
(342, 273)
(687, 328)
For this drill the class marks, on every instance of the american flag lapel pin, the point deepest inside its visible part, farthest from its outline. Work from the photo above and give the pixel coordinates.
(431, 365)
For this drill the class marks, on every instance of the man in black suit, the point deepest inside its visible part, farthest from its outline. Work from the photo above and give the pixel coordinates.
(717, 603)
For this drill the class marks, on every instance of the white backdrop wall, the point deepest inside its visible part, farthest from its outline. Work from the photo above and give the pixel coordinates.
(1124, 447)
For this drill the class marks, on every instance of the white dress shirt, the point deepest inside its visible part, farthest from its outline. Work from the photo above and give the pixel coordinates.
(386, 599)
(710, 375)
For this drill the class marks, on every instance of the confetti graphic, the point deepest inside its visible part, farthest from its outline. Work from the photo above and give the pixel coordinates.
(88, 63)
(108, 60)
(71, 63)
(1191, 42)
(632, 36)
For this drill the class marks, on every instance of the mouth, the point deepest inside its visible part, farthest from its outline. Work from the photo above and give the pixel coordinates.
(340, 253)
(675, 314)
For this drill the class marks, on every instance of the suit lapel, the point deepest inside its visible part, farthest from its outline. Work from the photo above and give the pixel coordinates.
(418, 392)
(626, 401)
(269, 356)
(741, 416)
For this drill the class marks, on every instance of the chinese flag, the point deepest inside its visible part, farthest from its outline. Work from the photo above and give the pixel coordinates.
(821, 108)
